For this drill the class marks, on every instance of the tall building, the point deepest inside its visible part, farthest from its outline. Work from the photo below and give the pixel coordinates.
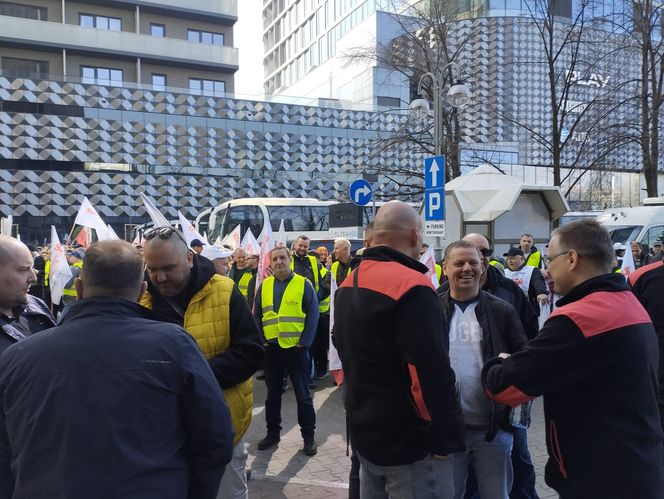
(306, 43)
(157, 44)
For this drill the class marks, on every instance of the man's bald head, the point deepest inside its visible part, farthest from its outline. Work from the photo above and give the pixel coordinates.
(9, 247)
(112, 268)
(398, 226)
(478, 240)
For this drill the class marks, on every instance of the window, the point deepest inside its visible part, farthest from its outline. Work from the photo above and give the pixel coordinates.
(158, 30)
(197, 36)
(654, 235)
(300, 218)
(12, 66)
(24, 11)
(158, 82)
(207, 87)
(248, 217)
(100, 22)
(101, 76)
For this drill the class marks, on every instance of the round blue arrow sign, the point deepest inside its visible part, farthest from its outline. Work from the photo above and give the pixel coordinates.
(360, 192)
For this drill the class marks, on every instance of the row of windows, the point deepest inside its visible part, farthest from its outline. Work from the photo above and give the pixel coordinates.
(24, 11)
(100, 22)
(99, 75)
(299, 62)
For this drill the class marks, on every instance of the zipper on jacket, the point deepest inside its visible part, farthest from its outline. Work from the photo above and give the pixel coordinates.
(555, 448)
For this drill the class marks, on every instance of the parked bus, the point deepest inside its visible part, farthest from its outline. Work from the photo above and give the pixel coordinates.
(301, 216)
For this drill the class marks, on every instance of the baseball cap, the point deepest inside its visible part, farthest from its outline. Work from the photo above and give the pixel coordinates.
(514, 252)
(196, 242)
(76, 254)
(619, 247)
(213, 252)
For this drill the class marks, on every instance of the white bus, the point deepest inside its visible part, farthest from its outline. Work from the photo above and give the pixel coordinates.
(301, 216)
(643, 224)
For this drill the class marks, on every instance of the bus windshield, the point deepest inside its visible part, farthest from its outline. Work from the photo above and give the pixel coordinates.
(300, 218)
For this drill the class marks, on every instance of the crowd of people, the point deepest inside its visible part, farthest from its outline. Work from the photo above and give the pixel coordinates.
(139, 384)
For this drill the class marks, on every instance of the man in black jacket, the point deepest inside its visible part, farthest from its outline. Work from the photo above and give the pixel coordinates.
(402, 404)
(120, 405)
(595, 362)
(495, 283)
(480, 326)
(647, 283)
(21, 314)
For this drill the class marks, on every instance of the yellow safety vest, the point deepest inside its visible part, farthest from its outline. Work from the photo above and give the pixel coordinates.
(243, 283)
(534, 259)
(439, 271)
(72, 290)
(497, 264)
(324, 304)
(47, 272)
(288, 325)
(314, 269)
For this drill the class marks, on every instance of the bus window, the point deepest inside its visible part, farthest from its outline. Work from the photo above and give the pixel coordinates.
(299, 218)
(248, 217)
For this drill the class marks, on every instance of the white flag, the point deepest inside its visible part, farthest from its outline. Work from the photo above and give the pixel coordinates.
(155, 215)
(334, 362)
(112, 233)
(60, 271)
(6, 225)
(250, 244)
(281, 235)
(232, 240)
(429, 260)
(88, 217)
(627, 266)
(189, 232)
(267, 243)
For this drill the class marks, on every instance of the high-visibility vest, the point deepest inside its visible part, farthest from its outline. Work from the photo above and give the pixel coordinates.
(47, 272)
(287, 325)
(534, 259)
(314, 269)
(497, 264)
(324, 304)
(71, 291)
(243, 283)
(439, 271)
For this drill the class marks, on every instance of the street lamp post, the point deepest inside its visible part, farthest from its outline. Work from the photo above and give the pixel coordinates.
(457, 96)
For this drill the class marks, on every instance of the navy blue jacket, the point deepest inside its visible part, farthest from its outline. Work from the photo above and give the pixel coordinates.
(111, 404)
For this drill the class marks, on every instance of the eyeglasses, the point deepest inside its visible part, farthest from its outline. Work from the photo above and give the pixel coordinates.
(548, 259)
(486, 252)
(164, 233)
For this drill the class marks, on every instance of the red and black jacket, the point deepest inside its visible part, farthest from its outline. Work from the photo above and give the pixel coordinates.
(595, 362)
(401, 402)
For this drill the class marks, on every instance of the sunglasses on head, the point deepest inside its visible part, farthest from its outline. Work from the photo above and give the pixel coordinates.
(163, 233)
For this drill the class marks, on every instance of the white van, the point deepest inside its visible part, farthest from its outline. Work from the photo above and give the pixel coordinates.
(643, 224)
(301, 216)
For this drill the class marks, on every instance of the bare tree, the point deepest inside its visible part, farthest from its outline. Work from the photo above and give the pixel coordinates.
(428, 41)
(584, 125)
(645, 22)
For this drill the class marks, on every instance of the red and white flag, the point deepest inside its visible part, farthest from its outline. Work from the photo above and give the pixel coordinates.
(267, 243)
(83, 237)
(250, 244)
(232, 239)
(189, 232)
(155, 215)
(60, 271)
(429, 260)
(281, 235)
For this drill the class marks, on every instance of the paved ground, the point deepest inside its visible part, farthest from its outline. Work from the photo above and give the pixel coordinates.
(287, 473)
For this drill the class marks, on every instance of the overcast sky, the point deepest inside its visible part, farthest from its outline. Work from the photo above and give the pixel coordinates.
(248, 34)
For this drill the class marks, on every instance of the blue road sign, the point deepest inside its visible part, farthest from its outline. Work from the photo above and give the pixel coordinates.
(360, 192)
(434, 172)
(434, 189)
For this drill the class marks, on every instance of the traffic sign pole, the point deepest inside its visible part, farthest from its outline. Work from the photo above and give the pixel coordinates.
(434, 196)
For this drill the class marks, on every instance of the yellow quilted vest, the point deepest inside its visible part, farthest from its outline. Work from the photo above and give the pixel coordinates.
(207, 320)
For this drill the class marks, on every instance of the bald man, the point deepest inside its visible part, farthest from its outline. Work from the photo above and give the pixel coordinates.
(388, 329)
(21, 314)
(137, 409)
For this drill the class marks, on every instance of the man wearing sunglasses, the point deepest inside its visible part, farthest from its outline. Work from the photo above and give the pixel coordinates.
(595, 363)
(185, 289)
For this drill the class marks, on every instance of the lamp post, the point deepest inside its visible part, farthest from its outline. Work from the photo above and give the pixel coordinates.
(457, 96)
